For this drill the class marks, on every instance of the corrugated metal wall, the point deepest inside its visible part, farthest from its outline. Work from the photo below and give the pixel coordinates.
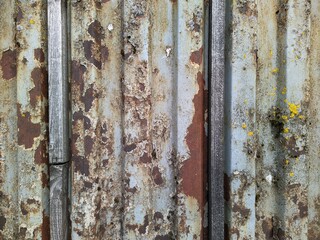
(137, 88)
(272, 133)
(138, 101)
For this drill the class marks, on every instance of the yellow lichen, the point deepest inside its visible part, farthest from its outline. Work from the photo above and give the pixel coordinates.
(275, 70)
(291, 174)
(287, 162)
(286, 130)
(286, 100)
(244, 56)
(250, 134)
(301, 117)
(284, 90)
(294, 109)
(284, 117)
(244, 126)
(31, 21)
(271, 53)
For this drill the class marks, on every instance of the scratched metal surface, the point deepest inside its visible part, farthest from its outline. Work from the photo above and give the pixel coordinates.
(23, 105)
(137, 87)
(272, 169)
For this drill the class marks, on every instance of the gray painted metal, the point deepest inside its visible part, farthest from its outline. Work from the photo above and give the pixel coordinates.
(216, 116)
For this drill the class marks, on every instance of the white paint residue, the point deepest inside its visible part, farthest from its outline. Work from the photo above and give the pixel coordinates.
(269, 178)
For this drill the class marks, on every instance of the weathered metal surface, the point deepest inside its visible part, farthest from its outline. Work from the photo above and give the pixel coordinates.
(24, 189)
(272, 115)
(138, 120)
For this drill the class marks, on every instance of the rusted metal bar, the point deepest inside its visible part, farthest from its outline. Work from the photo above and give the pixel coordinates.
(58, 117)
(216, 116)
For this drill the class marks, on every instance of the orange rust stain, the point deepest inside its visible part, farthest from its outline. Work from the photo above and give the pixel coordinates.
(196, 56)
(192, 171)
(8, 64)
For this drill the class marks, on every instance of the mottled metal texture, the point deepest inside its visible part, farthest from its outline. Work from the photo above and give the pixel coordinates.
(216, 115)
(272, 132)
(138, 137)
(24, 189)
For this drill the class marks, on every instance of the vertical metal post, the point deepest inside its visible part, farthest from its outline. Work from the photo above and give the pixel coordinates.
(58, 117)
(216, 154)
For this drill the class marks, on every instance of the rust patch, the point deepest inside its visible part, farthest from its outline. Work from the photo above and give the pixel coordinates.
(157, 176)
(88, 98)
(41, 155)
(96, 30)
(267, 228)
(39, 76)
(129, 148)
(95, 53)
(88, 145)
(39, 54)
(244, 212)
(8, 64)
(192, 169)
(81, 165)
(246, 9)
(74, 139)
(145, 158)
(165, 237)
(303, 210)
(45, 227)
(78, 116)
(27, 131)
(196, 56)
(3, 221)
(31, 205)
(143, 229)
(77, 75)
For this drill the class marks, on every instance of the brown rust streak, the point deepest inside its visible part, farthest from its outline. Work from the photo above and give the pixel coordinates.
(193, 169)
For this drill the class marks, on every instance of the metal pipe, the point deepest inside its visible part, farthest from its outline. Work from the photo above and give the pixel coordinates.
(216, 88)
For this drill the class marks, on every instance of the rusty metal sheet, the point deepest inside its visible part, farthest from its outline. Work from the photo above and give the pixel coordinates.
(138, 134)
(24, 192)
(272, 164)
